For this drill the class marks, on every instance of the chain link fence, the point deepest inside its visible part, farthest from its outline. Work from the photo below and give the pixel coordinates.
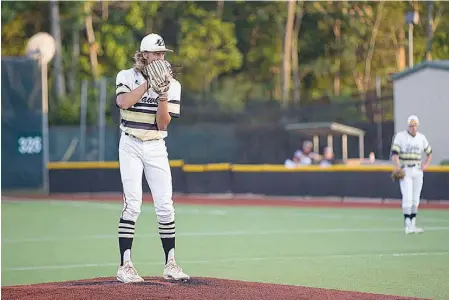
(207, 133)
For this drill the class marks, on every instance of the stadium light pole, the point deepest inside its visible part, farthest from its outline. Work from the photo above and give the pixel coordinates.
(379, 116)
(41, 47)
(45, 133)
(411, 18)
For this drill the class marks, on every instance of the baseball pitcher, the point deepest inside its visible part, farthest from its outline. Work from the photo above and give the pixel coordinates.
(148, 97)
(407, 148)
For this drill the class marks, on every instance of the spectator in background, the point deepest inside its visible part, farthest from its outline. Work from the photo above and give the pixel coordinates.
(305, 155)
(328, 157)
(372, 157)
(291, 163)
(370, 160)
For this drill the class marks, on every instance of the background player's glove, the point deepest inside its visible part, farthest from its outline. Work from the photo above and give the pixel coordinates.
(397, 175)
(159, 76)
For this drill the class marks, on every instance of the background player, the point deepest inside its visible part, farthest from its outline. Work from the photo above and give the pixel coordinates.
(145, 116)
(407, 148)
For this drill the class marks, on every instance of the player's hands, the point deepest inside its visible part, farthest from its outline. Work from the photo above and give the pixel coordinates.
(424, 167)
(159, 76)
(162, 90)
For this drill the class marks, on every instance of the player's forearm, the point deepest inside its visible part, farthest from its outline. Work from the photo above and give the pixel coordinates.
(162, 116)
(395, 159)
(126, 100)
(428, 158)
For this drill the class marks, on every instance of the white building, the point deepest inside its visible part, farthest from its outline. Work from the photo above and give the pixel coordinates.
(423, 90)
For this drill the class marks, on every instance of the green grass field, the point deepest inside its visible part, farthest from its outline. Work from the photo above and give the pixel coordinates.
(348, 249)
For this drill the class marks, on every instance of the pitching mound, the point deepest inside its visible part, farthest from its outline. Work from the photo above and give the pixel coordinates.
(196, 288)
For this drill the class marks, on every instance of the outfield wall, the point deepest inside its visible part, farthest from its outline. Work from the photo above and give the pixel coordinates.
(270, 180)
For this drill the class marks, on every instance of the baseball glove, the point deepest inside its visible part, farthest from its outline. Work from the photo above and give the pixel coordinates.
(159, 73)
(397, 175)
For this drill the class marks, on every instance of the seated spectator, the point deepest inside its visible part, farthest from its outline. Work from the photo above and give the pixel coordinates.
(373, 160)
(328, 157)
(306, 156)
(372, 157)
(370, 160)
(291, 163)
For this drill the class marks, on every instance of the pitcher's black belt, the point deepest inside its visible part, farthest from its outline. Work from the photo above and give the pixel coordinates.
(410, 166)
(133, 136)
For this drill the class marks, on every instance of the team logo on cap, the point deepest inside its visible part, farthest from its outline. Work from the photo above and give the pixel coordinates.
(160, 42)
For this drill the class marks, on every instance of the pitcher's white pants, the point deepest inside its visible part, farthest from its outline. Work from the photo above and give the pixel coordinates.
(135, 157)
(411, 186)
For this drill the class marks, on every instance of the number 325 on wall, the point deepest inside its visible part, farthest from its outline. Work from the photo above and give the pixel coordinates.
(30, 145)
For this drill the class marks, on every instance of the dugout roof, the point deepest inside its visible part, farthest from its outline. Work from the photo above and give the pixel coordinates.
(325, 129)
(434, 64)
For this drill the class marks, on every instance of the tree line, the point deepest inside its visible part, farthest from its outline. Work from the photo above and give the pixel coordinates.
(233, 53)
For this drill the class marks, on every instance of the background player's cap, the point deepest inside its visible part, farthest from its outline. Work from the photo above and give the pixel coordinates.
(153, 43)
(413, 120)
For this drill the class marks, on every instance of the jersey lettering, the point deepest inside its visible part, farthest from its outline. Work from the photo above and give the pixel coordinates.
(149, 100)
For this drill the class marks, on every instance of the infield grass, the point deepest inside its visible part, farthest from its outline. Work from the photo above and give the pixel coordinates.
(348, 249)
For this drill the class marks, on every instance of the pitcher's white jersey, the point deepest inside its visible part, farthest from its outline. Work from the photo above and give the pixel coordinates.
(410, 148)
(140, 119)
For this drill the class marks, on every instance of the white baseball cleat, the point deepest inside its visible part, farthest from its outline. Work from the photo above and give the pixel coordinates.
(418, 230)
(127, 273)
(415, 229)
(409, 230)
(173, 271)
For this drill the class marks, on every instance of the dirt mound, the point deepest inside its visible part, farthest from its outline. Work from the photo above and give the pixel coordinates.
(196, 288)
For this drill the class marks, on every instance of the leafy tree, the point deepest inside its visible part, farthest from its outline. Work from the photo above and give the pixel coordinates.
(207, 48)
(234, 51)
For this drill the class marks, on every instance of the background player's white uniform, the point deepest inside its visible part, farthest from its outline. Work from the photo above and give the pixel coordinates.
(409, 148)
